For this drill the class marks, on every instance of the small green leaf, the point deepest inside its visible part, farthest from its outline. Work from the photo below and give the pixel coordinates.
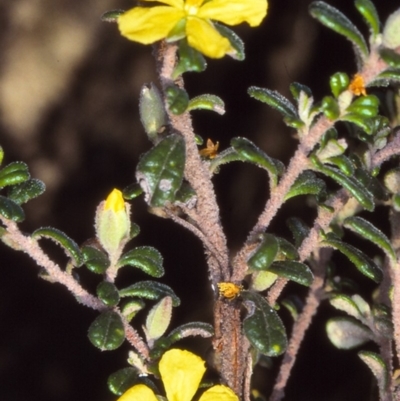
(26, 191)
(264, 254)
(294, 271)
(95, 260)
(366, 106)
(107, 331)
(131, 308)
(274, 99)
(189, 58)
(108, 293)
(191, 329)
(362, 262)
(330, 107)
(248, 151)
(299, 230)
(286, 249)
(70, 246)
(13, 174)
(296, 88)
(367, 9)
(111, 16)
(11, 210)
(338, 22)
(150, 290)
(343, 162)
(378, 368)
(146, 258)
(386, 77)
(234, 39)
(261, 280)
(132, 191)
(339, 82)
(347, 333)
(135, 230)
(160, 170)
(122, 380)
(306, 184)
(152, 111)
(391, 57)
(207, 102)
(346, 304)
(368, 231)
(262, 325)
(177, 99)
(158, 319)
(363, 196)
(365, 123)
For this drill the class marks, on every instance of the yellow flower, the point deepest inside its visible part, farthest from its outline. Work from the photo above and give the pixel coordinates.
(357, 85)
(191, 18)
(181, 372)
(115, 201)
(211, 149)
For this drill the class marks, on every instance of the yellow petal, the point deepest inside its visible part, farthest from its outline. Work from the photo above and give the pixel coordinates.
(234, 12)
(219, 393)
(115, 201)
(148, 25)
(140, 392)
(181, 372)
(202, 36)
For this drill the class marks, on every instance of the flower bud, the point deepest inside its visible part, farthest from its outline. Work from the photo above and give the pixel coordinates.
(113, 224)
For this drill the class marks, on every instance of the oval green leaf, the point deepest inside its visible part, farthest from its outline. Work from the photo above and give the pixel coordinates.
(294, 271)
(160, 170)
(275, 100)
(132, 191)
(378, 368)
(264, 254)
(146, 258)
(347, 333)
(11, 210)
(368, 231)
(207, 102)
(338, 22)
(14, 173)
(299, 229)
(26, 191)
(262, 325)
(236, 42)
(70, 246)
(367, 9)
(122, 380)
(108, 293)
(95, 260)
(307, 183)
(339, 82)
(107, 331)
(150, 290)
(177, 99)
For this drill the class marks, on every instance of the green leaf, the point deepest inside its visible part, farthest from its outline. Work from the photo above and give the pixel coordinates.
(108, 293)
(343, 162)
(338, 22)
(70, 246)
(13, 174)
(234, 39)
(330, 108)
(294, 271)
(160, 170)
(391, 57)
(363, 196)
(135, 230)
(347, 333)
(177, 99)
(146, 258)
(111, 16)
(107, 331)
(286, 249)
(26, 191)
(132, 191)
(95, 260)
(262, 325)
(299, 229)
(150, 290)
(378, 368)
(152, 111)
(207, 102)
(190, 329)
(248, 151)
(296, 88)
(366, 106)
(368, 231)
(261, 280)
(386, 77)
(131, 308)
(158, 319)
(264, 254)
(367, 9)
(362, 262)
(189, 59)
(11, 210)
(339, 82)
(122, 380)
(346, 304)
(275, 100)
(365, 123)
(306, 184)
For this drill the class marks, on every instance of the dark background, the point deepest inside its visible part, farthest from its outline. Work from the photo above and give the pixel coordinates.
(69, 87)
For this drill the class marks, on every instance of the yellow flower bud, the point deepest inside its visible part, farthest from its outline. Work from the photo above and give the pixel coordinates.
(115, 201)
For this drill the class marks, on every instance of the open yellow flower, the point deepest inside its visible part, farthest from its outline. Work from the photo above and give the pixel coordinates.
(193, 17)
(181, 372)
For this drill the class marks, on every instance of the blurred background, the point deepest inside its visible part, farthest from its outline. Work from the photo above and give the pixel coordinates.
(69, 87)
